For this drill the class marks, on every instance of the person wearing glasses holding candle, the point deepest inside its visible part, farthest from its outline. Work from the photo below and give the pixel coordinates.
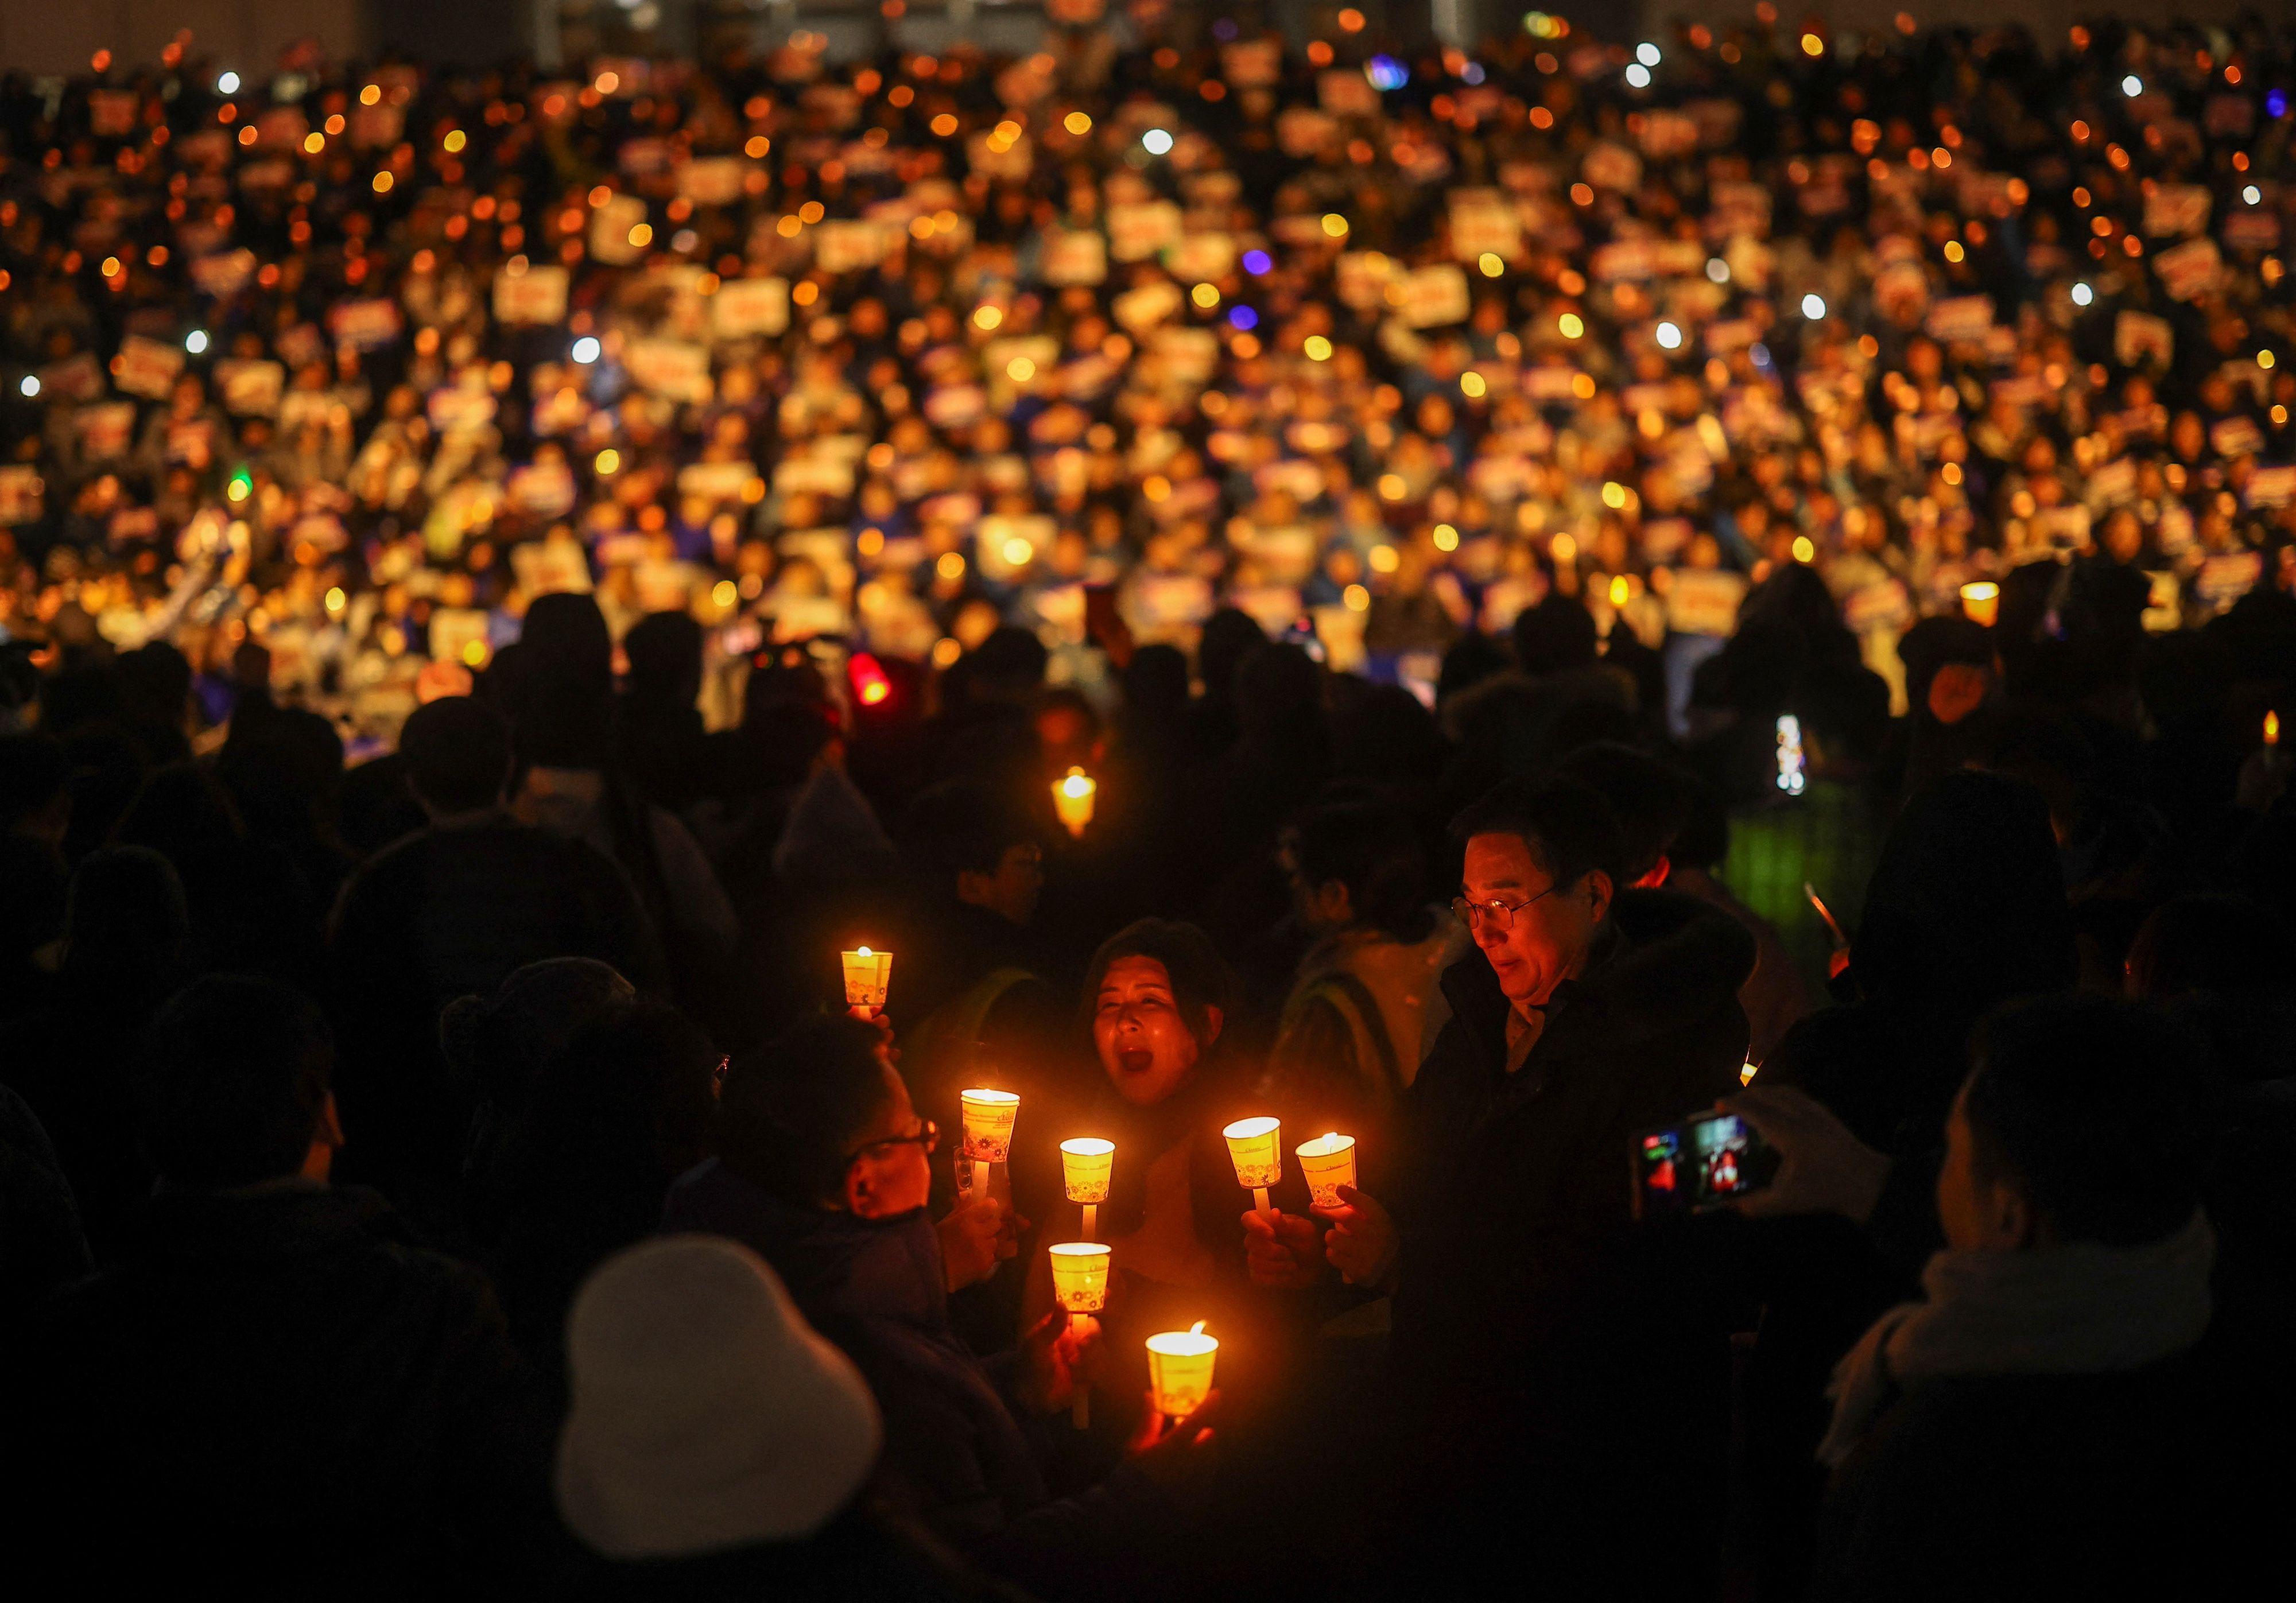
(824, 1170)
(1529, 1328)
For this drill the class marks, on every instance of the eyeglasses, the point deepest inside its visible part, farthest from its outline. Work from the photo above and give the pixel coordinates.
(927, 1135)
(1472, 914)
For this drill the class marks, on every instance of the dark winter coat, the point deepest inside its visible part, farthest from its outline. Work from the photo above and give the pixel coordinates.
(1539, 1332)
(2023, 1486)
(269, 1388)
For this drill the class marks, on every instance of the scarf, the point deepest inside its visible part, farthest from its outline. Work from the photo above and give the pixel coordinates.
(2082, 1309)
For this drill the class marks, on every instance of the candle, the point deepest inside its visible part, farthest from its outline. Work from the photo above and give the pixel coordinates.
(1328, 1162)
(988, 1117)
(2271, 729)
(1747, 1071)
(1180, 1370)
(868, 976)
(1072, 799)
(1253, 1146)
(1085, 1166)
(1080, 1285)
(1080, 1275)
(1981, 602)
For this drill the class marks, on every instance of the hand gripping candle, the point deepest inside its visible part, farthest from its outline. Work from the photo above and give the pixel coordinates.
(1328, 1163)
(1085, 1166)
(868, 977)
(1180, 1370)
(1254, 1147)
(1080, 1285)
(988, 1117)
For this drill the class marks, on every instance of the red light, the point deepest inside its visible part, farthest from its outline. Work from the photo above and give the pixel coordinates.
(870, 685)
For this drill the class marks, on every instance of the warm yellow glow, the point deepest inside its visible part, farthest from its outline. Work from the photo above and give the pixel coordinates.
(1571, 324)
(1319, 349)
(1206, 296)
(988, 1117)
(1803, 551)
(2272, 729)
(986, 318)
(1336, 226)
(610, 461)
(1085, 1164)
(1076, 123)
(1491, 264)
(1180, 1364)
(1446, 537)
(1472, 384)
(1073, 799)
(1621, 592)
(1080, 1276)
(724, 594)
(1254, 1146)
(1327, 1163)
(1981, 602)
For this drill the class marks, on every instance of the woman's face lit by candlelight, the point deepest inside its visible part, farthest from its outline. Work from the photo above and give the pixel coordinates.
(1145, 1046)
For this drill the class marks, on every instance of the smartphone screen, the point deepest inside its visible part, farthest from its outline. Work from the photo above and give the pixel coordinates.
(1700, 1163)
(1790, 754)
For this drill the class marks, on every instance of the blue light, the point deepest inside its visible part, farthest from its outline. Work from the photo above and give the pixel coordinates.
(1386, 73)
(2275, 104)
(1243, 317)
(1259, 263)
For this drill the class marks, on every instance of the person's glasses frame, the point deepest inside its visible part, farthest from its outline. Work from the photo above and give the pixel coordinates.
(927, 1134)
(1501, 913)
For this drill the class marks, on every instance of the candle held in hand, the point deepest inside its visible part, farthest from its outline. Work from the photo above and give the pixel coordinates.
(868, 977)
(1080, 1275)
(1981, 602)
(1180, 1370)
(988, 1117)
(1085, 1163)
(1255, 1147)
(1328, 1163)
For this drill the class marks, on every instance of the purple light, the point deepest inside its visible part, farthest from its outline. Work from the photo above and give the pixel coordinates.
(1243, 317)
(1259, 263)
(2275, 104)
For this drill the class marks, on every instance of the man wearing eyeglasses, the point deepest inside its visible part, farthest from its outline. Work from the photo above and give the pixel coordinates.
(1534, 1328)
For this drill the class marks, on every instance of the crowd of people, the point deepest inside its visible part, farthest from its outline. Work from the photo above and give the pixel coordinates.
(1589, 580)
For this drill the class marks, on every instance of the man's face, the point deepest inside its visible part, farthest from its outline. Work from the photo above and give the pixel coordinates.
(1011, 891)
(1979, 1214)
(1546, 941)
(1145, 1047)
(888, 1172)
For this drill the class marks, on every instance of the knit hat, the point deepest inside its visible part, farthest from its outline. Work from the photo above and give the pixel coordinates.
(706, 1414)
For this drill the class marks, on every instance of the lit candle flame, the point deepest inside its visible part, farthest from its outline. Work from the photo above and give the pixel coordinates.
(2272, 729)
(1197, 1328)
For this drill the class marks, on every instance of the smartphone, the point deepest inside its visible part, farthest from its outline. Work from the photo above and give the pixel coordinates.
(1790, 754)
(1699, 1163)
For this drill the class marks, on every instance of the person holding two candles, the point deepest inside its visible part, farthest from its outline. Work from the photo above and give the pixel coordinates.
(1533, 1330)
(824, 1170)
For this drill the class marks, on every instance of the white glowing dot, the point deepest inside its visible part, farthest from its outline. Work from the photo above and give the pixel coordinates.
(1669, 336)
(586, 350)
(228, 84)
(2083, 295)
(2253, 195)
(1813, 307)
(196, 341)
(1158, 142)
(1647, 53)
(31, 385)
(1717, 271)
(1638, 76)
(2132, 86)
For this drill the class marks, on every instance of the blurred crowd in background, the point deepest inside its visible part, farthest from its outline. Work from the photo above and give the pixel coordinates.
(509, 574)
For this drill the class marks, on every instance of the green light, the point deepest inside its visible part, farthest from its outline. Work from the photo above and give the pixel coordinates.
(242, 485)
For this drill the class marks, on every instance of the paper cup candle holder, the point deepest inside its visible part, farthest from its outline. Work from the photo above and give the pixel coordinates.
(1072, 799)
(988, 1117)
(868, 977)
(1079, 1286)
(1255, 1147)
(1180, 1370)
(1085, 1164)
(1328, 1163)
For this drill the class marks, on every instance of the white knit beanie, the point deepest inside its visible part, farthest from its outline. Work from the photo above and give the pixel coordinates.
(706, 1414)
